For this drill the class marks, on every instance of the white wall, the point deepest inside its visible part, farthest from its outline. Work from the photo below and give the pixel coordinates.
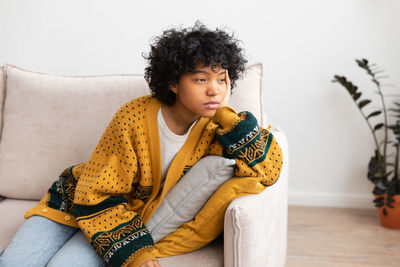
(301, 43)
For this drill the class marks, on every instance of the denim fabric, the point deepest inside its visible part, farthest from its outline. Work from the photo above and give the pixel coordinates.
(40, 242)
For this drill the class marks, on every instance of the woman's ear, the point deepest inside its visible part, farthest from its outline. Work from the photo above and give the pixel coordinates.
(174, 88)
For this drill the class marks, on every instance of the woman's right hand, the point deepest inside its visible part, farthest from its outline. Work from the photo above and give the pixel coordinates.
(150, 264)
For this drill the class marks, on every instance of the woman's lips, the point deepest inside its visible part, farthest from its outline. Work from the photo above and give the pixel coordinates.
(212, 105)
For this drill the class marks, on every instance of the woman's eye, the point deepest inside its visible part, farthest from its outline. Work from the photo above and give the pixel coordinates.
(222, 80)
(200, 80)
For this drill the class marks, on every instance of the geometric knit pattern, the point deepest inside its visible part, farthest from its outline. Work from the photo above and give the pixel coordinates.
(246, 141)
(141, 192)
(62, 193)
(118, 244)
(110, 178)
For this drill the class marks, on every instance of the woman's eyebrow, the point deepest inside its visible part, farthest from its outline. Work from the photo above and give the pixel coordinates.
(200, 71)
(206, 72)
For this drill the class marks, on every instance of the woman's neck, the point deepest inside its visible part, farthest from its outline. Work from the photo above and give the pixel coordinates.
(177, 121)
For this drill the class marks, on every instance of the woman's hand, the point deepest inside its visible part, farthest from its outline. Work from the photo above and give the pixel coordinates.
(228, 91)
(150, 264)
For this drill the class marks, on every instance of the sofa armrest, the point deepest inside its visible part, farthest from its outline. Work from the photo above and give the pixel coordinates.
(255, 226)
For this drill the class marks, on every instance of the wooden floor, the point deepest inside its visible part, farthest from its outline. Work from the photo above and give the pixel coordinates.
(326, 237)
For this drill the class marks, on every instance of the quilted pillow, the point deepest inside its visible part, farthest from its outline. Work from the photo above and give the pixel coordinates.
(188, 196)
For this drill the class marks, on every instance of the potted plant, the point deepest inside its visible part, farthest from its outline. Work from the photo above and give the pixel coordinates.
(383, 167)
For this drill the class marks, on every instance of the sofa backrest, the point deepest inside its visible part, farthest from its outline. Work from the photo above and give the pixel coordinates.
(51, 122)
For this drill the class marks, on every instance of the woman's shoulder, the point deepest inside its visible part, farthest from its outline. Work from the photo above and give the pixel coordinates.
(134, 111)
(138, 103)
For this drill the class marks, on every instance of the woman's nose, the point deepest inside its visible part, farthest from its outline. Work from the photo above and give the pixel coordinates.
(212, 88)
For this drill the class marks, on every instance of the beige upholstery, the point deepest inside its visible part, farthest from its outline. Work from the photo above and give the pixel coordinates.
(51, 122)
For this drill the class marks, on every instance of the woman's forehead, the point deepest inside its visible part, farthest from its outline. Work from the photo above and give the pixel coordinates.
(203, 68)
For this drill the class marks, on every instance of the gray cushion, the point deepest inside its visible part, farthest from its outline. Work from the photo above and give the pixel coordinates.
(188, 196)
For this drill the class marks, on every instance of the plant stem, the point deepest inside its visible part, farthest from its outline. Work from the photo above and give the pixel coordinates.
(373, 135)
(385, 118)
(396, 163)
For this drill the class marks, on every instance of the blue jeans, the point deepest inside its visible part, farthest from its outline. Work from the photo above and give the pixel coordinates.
(43, 242)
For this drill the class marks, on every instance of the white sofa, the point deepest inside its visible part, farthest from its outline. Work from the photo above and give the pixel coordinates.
(49, 122)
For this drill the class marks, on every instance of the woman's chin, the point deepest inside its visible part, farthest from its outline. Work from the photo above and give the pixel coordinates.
(209, 114)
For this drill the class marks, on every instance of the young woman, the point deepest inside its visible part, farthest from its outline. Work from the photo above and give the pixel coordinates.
(147, 147)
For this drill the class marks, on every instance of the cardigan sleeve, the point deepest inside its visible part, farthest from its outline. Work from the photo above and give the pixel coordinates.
(103, 191)
(255, 149)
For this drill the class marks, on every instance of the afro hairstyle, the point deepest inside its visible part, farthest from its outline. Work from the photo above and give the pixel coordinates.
(179, 50)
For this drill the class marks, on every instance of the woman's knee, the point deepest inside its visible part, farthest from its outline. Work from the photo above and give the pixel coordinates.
(36, 242)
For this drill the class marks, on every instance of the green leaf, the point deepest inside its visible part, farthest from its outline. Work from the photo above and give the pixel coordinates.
(363, 103)
(378, 126)
(390, 200)
(373, 114)
(362, 62)
(351, 88)
(378, 191)
(396, 110)
(384, 212)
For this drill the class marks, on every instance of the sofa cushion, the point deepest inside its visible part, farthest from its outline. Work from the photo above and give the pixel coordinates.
(247, 95)
(12, 211)
(51, 122)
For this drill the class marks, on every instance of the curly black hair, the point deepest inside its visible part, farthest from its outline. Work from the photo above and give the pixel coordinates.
(179, 51)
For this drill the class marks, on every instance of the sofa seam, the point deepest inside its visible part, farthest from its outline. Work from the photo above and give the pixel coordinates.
(76, 76)
(3, 102)
(236, 237)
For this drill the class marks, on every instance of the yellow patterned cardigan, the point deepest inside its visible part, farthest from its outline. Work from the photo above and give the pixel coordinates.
(112, 196)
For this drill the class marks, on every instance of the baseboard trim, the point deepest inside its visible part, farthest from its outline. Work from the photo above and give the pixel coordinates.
(331, 200)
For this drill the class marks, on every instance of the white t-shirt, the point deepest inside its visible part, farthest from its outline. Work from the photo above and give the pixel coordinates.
(170, 144)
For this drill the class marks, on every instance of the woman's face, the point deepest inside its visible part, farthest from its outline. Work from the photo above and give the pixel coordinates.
(201, 92)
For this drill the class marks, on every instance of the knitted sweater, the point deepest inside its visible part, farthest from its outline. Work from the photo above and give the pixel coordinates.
(112, 196)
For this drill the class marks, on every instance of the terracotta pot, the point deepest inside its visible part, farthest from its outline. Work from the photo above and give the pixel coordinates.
(392, 220)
